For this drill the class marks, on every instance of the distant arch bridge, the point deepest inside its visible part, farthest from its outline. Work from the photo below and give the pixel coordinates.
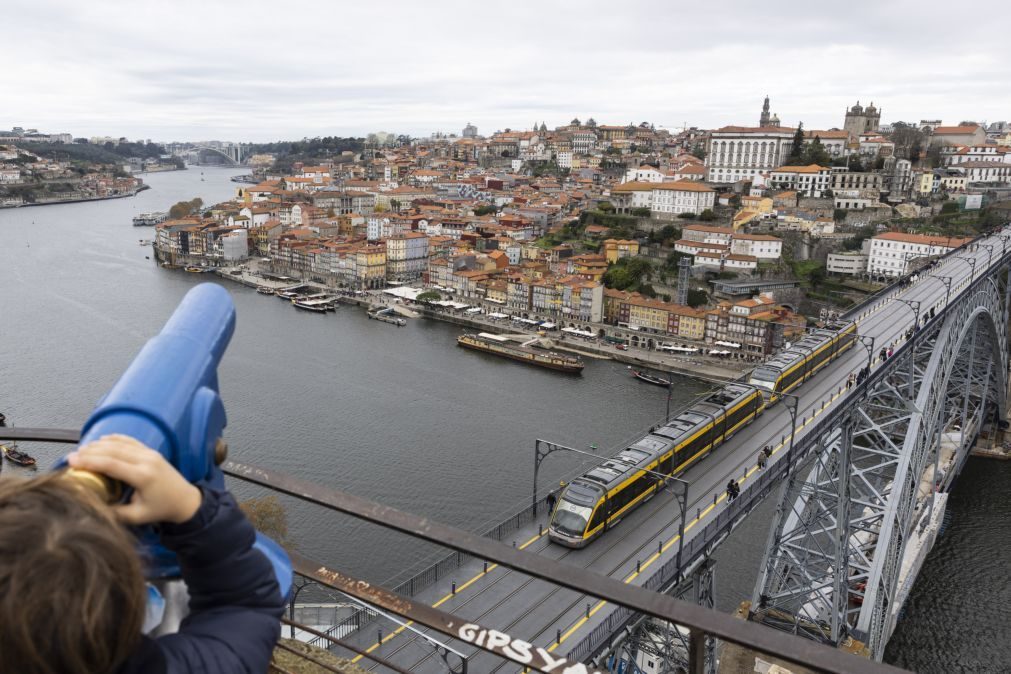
(235, 153)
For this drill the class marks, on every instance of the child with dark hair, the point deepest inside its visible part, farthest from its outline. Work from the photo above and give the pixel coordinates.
(72, 589)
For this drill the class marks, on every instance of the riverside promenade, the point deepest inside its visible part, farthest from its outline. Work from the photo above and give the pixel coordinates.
(705, 368)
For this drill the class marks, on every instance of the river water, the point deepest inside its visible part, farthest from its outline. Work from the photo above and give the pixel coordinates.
(400, 415)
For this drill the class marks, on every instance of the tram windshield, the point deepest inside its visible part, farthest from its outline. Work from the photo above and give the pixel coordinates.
(765, 377)
(571, 519)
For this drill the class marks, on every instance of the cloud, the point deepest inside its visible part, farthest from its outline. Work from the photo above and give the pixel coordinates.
(261, 70)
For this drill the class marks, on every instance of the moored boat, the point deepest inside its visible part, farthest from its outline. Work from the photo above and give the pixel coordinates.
(264, 290)
(149, 219)
(386, 316)
(649, 378)
(318, 308)
(500, 346)
(14, 455)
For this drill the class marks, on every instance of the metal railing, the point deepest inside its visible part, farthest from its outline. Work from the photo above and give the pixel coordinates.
(431, 574)
(700, 622)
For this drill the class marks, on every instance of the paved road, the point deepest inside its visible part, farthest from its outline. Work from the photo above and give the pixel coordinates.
(537, 611)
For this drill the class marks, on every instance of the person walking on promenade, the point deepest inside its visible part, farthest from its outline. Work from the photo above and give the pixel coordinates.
(731, 491)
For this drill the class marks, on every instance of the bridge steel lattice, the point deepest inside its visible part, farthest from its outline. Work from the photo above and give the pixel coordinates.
(836, 545)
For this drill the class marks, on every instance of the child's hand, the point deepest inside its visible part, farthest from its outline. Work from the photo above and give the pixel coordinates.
(160, 494)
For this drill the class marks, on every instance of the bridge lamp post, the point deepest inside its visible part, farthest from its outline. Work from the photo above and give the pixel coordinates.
(947, 283)
(868, 343)
(906, 257)
(792, 401)
(914, 305)
(681, 494)
(542, 448)
(972, 263)
(989, 253)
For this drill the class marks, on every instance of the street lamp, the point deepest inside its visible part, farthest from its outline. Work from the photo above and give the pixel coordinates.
(914, 305)
(989, 253)
(542, 453)
(792, 401)
(906, 257)
(868, 343)
(682, 499)
(947, 283)
(294, 596)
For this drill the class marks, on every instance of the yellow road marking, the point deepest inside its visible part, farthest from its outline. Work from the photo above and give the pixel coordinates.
(482, 574)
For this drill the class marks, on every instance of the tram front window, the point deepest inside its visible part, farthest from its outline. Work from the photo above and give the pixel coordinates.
(570, 519)
(764, 377)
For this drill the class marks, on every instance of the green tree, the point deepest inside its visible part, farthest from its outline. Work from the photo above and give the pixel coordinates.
(687, 216)
(486, 210)
(816, 276)
(697, 298)
(796, 157)
(429, 296)
(641, 212)
(395, 205)
(628, 273)
(839, 214)
(665, 233)
(816, 154)
(605, 206)
(707, 215)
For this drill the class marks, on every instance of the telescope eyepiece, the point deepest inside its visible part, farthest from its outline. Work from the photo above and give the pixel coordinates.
(108, 490)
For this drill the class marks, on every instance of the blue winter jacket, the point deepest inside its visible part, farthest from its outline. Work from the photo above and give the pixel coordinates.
(235, 601)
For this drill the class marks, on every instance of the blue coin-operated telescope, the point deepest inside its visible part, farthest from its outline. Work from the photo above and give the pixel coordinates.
(168, 399)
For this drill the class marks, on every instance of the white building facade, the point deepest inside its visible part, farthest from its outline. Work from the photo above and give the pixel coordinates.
(895, 253)
(740, 153)
(683, 196)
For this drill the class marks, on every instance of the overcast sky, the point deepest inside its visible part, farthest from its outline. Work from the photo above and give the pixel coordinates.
(253, 70)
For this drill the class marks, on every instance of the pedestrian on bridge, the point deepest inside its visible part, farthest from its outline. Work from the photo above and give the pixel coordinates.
(883, 354)
(732, 491)
(551, 500)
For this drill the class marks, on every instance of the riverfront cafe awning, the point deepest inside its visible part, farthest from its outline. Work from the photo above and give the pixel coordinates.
(404, 292)
(732, 345)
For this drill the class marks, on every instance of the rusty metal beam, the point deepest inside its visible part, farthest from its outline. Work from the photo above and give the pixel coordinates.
(490, 640)
(797, 651)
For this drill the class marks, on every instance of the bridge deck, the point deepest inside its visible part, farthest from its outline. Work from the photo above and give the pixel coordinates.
(537, 612)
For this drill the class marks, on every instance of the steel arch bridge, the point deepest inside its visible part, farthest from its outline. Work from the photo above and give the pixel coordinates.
(233, 153)
(834, 560)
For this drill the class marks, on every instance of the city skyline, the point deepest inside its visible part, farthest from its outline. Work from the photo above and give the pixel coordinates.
(191, 71)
